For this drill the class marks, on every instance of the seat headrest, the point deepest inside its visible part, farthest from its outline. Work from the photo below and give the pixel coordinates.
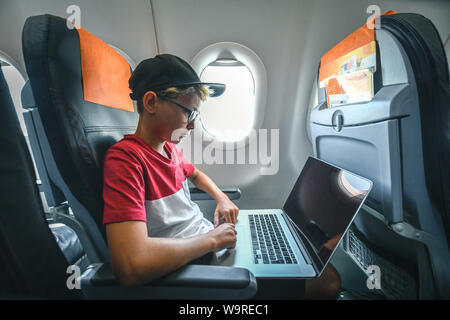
(363, 38)
(105, 73)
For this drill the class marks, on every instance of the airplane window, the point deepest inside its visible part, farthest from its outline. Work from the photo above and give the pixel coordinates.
(234, 118)
(15, 82)
(229, 118)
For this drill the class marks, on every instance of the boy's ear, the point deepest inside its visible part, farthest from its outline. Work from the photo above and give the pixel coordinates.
(149, 102)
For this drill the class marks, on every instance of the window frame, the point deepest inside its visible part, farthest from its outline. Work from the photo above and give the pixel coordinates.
(244, 55)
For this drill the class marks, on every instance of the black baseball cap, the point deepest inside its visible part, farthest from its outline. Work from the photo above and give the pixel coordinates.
(164, 71)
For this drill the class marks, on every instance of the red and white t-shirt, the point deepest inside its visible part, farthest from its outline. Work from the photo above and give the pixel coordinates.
(141, 184)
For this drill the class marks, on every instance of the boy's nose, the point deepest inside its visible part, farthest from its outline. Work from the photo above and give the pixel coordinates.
(191, 125)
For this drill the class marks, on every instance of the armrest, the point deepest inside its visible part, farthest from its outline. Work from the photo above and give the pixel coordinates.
(197, 194)
(189, 282)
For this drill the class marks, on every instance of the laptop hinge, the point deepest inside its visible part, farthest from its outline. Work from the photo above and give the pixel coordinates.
(300, 243)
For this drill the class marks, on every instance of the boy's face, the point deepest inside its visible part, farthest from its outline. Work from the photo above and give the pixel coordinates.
(172, 121)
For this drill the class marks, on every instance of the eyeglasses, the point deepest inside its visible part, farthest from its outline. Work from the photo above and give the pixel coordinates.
(192, 114)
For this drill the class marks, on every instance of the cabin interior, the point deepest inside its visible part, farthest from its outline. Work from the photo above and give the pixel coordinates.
(277, 57)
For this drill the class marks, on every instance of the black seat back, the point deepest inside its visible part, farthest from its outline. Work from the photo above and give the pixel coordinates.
(422, 43)
(401, 141)
(31, 263)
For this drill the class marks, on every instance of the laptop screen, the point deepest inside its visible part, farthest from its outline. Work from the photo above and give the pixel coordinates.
(323, 204)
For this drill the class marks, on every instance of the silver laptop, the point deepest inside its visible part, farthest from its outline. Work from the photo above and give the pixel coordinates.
(299, 240)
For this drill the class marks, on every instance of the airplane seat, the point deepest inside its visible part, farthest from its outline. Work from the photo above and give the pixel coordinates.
(53, 199)
(31, 263)
(53, 196)
(400, 139)
(80, 87)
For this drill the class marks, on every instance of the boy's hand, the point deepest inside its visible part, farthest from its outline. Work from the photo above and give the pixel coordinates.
(224, 236)
(226, 209)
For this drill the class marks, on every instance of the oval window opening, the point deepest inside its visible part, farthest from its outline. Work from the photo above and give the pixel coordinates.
(229, 117)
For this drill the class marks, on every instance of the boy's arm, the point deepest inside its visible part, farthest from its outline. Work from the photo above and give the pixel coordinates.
(225, 207)
(138, 259)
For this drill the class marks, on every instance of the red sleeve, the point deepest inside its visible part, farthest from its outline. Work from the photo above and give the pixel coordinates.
(123, 188)
(186, 165)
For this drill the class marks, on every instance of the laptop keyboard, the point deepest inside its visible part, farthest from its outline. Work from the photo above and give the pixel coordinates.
(269, 242)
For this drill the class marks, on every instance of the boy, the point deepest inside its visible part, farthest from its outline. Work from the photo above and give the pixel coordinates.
(152, 226)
